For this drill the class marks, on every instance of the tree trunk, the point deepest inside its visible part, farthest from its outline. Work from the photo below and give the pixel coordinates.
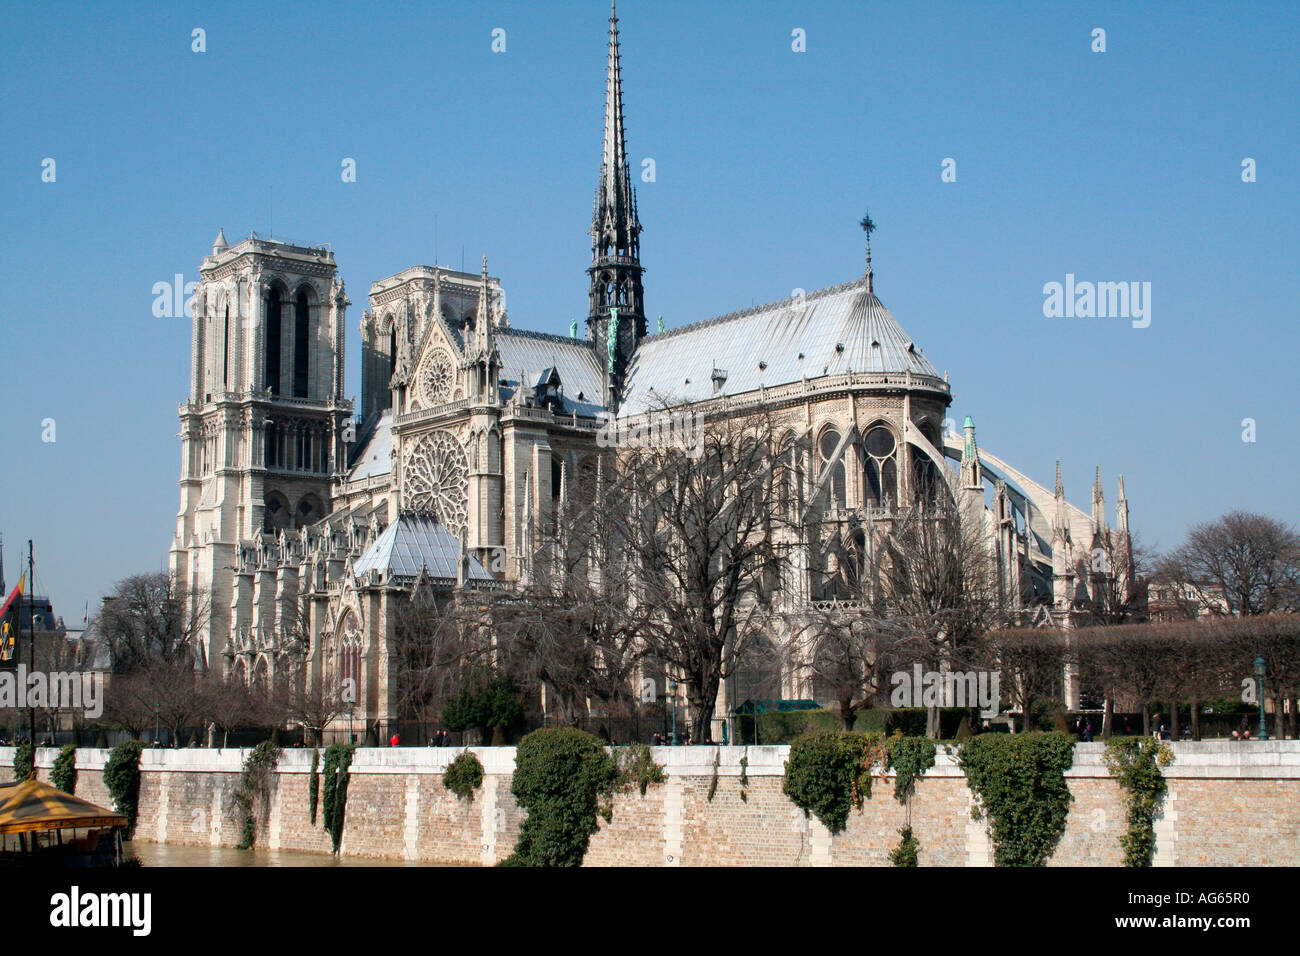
(1108, 719)
(1146, 719)
(1196, 717)
(847, 714)
(932, 723)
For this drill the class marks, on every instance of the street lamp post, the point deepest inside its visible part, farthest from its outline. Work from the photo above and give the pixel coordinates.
(672, 691)
(1259, 677)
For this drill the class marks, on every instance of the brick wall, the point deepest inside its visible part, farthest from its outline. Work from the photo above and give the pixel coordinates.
(1228, 805)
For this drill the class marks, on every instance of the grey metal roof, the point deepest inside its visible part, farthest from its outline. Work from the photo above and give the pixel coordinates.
(533, 353)
(376, 458)
(829, 332)
(412, 543)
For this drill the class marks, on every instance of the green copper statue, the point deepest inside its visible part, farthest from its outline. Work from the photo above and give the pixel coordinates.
(612, 341)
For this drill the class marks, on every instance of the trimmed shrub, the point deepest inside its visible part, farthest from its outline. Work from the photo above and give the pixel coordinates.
(963, 730)
(560, 776)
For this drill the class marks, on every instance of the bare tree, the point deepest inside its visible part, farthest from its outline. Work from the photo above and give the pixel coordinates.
(1251, 560)
(850, 650)
(150, 618)
(1031, 662)
(696, 525)
(435, 639)
(578, 626)
(935, 570)
(225, 701)
(127, 703)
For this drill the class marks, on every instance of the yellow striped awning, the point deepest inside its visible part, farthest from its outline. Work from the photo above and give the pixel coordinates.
(33, 805)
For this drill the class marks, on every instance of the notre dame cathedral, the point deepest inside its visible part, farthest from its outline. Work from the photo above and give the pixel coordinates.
(303, 519)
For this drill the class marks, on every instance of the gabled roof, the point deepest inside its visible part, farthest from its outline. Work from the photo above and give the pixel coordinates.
(416, 543)
(830, 332)
(376, 456)
(535, 353)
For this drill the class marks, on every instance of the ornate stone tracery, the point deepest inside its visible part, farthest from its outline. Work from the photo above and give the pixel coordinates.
(437, 480)
(437, 376)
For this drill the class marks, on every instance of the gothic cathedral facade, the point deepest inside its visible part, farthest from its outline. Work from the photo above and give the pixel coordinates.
(304, 521)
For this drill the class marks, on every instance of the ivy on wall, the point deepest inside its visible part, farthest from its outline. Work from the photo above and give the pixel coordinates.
(1019, 783)
(64, 772)
(636, 766)
(829, 773)
(313, 785)
(905, 853)
(254, 788)
(338, 757)
(24, 761)
(122, 777)
(1136, 763)
(909, 758)
(560, 776)
(463, 775)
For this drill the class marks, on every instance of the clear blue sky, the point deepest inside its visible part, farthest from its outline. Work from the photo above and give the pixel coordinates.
(1115, 166)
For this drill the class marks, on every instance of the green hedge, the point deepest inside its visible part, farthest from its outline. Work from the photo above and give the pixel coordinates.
(782, 727)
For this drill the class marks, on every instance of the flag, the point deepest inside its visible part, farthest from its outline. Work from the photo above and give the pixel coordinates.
(7, 649)
(17, 593)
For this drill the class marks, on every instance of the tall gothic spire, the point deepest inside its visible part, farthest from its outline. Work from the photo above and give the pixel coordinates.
(615, 199)
(615, 234)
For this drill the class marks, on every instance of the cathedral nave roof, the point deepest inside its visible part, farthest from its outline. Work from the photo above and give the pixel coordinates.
(829, 332)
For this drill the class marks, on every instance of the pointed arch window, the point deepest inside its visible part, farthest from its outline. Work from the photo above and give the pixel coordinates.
(225, 358)
(880, 469)
(301, 341)
(392, 351)
(274, 328)
(836, 486)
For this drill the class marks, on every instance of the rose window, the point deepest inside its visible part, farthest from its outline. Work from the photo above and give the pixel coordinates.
(437, 378)
(437, 479)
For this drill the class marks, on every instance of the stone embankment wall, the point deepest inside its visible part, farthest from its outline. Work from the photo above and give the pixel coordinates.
(1228, 804)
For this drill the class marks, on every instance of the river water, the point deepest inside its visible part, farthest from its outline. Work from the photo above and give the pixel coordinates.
(162, 854)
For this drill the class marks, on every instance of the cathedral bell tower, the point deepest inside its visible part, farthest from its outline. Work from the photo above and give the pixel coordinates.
(262, 432)
(616, 312)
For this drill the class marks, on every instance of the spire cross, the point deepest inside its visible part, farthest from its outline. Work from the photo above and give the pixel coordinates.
(868, 227)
